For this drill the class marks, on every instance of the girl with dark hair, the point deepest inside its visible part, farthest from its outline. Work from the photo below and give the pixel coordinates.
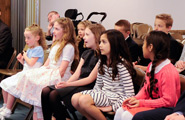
(162, 83)
(114, 79)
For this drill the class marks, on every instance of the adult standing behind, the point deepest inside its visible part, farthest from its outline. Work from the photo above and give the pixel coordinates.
(124, 27)
(6, 49)
(52, 16)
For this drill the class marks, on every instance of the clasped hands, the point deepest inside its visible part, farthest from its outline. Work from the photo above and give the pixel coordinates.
(131, 102)
(61, 84)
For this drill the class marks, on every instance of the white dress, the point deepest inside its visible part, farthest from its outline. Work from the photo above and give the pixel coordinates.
(11, 82)
(31, 82)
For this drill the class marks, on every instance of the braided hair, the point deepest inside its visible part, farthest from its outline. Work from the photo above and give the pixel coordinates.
(161, 43)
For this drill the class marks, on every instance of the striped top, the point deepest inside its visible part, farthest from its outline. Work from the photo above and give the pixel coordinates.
(121, 88)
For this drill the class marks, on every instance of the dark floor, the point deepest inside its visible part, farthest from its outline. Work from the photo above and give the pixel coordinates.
(19, 114)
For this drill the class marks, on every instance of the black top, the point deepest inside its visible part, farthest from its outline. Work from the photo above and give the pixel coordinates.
(90, 60)
(6, 49)
(175, 50)
(133, 48)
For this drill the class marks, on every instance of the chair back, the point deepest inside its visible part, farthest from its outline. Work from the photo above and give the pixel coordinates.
(138, 80)
(139, 31)
(182, 80)
(12, 58)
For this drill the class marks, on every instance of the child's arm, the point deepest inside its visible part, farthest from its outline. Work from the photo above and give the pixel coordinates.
(30, 61)
(20, 58)
(47, 62)
(63, 67)
(67, 55)
(81, 82)
(77, 72)
(73, 78)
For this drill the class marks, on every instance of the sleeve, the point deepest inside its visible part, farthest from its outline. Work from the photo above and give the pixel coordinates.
(37, 52)
(85, 54)
(169, 91)
(126, 80)
(175, 51)
(5, 39)
(142, 94)
(183, 54)
(68, 52)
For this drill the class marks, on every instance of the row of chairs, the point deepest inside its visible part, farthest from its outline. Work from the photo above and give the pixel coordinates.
(12, 71)
(139, 31)
(138, 82)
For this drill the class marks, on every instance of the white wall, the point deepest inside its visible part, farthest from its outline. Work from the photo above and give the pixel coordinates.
(132, 10)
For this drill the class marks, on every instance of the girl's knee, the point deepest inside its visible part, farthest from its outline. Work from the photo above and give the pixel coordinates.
(85, 100)
(45, 91)
(75, 99)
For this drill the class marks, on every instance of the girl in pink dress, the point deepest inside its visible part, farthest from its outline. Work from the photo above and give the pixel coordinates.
(162, 82)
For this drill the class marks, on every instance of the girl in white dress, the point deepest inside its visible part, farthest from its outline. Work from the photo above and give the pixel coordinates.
(33, 58)
(56, 68)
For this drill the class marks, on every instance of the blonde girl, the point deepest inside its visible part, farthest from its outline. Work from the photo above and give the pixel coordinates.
(56, 68)
(33, 58)
(81, 33)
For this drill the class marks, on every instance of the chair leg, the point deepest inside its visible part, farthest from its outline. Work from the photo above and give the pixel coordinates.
(14, 106)
(74, 115)
(30, 114)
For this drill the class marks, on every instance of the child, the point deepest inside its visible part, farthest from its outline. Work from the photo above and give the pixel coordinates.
(162, 85)
(33, 58)
(53, 95)
(164, 22)
(81, 32)
(114, 78)
(124, 27)
(56, 68)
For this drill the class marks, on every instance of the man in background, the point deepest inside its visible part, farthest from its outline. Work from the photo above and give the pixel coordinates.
(52, 16)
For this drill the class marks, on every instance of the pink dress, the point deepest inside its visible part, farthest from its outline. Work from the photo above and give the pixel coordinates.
(32, 81)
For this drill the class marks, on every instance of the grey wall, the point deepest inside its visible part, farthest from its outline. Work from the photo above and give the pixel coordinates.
(132, 10)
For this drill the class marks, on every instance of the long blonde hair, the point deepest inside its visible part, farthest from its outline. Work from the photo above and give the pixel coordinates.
(36, 30)
(68, 36)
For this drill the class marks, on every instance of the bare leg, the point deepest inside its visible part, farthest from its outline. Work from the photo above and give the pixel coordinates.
(10, 101)
(86, 103)
(75, 103)
(5, 96)
(34, 116)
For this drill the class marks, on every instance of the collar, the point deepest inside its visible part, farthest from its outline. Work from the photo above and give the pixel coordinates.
(160, 66)
(127, 38)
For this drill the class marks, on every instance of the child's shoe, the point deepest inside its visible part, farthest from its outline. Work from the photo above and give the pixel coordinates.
(2, 108)
(6, 113)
